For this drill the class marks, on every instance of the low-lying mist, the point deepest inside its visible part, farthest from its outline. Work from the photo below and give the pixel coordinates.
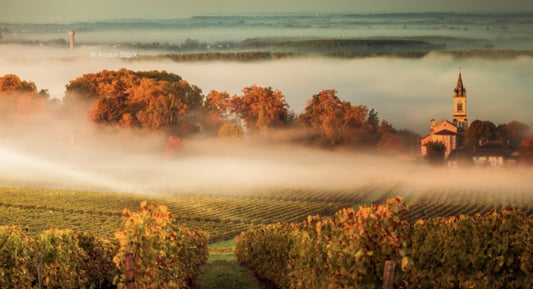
(64, 150)
(61, 150)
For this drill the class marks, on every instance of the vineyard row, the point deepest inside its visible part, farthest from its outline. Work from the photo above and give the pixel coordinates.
(349, 250)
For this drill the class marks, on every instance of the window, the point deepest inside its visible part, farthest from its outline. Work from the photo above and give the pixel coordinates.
(459, 106)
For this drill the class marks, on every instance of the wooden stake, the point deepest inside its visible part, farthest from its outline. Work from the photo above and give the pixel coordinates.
(40, 270)
(388, 275)
(130, 270)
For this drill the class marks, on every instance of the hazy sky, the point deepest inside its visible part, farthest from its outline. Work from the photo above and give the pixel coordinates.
(82, 10)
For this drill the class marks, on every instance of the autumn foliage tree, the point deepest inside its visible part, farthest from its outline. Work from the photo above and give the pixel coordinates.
(216, 109)
(151, 100)
(230, 131)
(217, 103)
(526, 150)
(337, 120)
(261, 108)
(391, 142)
(513, 132)
(20, 96)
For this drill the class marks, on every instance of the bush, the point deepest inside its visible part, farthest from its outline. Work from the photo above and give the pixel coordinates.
(163, 253)
(349, 250)
(345, 251)
(16, 253)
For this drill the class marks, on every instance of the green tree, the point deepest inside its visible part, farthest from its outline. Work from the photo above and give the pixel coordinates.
(411, 140)
(372, 121)
(435, 152)
(479, 130)
(514, 132)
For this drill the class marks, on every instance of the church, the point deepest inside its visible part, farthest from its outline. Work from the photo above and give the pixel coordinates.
(451, 134)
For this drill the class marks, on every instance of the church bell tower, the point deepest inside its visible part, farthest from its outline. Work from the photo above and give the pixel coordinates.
(459, 107)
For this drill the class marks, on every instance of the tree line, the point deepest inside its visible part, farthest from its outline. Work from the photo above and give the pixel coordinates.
(162, 101)
(159, 101)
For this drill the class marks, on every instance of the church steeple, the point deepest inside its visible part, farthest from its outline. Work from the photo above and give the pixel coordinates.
(459, 102)
(459, 89)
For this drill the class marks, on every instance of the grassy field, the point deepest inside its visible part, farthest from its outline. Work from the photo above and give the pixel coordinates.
(222, 270)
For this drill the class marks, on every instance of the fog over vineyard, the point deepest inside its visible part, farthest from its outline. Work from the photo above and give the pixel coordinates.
(65, 151)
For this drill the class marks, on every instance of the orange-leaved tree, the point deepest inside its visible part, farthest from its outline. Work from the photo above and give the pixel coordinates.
(335, 119)
(151, 100)
(216, 108)
(526, 150)
(20, 96)
(261, 108)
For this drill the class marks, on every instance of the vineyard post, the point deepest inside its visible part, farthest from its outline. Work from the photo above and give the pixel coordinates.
(40, 270)
(130, 270)
(388, 275)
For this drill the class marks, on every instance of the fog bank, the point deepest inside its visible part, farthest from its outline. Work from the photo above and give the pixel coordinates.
(61, 152)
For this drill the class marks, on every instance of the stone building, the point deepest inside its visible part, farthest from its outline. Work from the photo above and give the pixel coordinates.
(451, 134)
(493, 154)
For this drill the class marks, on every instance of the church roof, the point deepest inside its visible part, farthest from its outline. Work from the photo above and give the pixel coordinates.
(446, 122)
(445, 132)
(460, 89)
(493, 145)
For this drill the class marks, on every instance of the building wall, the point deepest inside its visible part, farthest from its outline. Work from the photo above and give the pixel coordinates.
(489, 161)
(450, 141)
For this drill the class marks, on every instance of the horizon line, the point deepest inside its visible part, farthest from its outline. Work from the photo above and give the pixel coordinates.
(250, 14)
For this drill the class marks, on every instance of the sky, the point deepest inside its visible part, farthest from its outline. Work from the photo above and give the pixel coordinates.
(38, 11)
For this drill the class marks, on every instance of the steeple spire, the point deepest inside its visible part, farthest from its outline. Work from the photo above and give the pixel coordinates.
(460, 89)
(459, 103)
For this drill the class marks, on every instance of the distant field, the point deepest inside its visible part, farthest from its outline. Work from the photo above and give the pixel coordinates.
(226, 215)
(252, 56)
